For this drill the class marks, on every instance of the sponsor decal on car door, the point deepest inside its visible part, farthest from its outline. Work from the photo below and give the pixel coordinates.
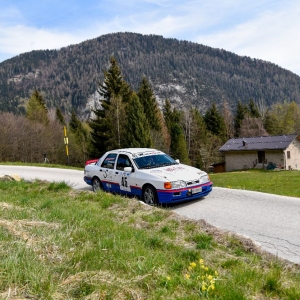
(125, 181)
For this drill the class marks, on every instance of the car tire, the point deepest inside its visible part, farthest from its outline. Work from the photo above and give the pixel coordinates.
(150, 195)
(96, 184)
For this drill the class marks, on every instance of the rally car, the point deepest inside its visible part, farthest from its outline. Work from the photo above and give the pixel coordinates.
(149, 174)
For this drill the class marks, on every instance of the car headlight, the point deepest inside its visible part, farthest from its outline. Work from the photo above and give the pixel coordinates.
(178, 184)
(204, 178)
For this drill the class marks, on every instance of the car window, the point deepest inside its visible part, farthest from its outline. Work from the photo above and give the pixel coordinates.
(123, 161)
(154, 161)
(109, 161)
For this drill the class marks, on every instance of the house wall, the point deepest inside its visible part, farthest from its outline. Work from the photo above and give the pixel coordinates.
(293, 163)
(239, 160)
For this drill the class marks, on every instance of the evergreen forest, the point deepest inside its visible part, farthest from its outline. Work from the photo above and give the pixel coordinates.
(128, 117)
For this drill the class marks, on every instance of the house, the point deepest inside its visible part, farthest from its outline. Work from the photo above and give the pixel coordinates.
(281, 151)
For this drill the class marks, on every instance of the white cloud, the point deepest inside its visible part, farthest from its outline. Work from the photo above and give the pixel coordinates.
(19, 39)
(272, 36)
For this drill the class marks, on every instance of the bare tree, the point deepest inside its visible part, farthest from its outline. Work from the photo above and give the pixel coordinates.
(228, 119)
(252, 127)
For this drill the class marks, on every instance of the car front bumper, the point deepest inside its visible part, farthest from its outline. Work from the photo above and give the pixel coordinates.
(186, 194)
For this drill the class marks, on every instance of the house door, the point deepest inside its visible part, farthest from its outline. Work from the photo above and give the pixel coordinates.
(261, 156)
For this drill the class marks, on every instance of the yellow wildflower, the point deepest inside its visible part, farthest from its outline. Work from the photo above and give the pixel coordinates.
(209, 277)
(187, 276)
(168, 278)
(193, 265)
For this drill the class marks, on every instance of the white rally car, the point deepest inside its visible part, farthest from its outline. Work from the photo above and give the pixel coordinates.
(148, 174)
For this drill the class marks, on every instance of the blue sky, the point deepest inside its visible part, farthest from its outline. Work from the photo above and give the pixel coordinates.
(264, 29)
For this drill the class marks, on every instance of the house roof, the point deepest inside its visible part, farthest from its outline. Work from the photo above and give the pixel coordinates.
(258, 143)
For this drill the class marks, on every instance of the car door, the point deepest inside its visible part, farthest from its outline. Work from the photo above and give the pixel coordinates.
(126, 180)
(107, 173)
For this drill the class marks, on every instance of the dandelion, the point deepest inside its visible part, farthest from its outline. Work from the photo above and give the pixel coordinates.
(193, 265)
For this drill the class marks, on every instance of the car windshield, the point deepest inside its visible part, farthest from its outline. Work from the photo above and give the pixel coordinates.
(154, 161)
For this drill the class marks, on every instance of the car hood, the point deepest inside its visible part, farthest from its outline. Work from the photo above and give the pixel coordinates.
(177, 172)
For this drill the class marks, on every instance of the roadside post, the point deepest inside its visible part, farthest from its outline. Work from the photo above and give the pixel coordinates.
(66, 140)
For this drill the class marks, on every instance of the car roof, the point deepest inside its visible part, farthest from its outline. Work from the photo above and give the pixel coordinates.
(134, 150)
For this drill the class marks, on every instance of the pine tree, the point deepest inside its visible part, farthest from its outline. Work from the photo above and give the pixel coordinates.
(59, 116)
(114, 85)
(271, 123)
(80, 135)
(108, 125)
(178, 147)
(214, 122)
(137, 127)
(150, 107)
(238, 118)
(253, 109)
(198, 138)
(36, 109)
(158, 131)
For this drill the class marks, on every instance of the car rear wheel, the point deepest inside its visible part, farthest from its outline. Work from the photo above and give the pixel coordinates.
(97, 186)
(150, 195)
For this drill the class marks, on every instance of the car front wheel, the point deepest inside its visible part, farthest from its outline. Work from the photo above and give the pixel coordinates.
(96, 184)
(150, 195)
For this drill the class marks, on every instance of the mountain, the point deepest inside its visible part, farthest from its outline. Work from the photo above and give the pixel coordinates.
(187, 73)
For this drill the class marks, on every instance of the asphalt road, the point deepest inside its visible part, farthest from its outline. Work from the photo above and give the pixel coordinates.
(271, 221)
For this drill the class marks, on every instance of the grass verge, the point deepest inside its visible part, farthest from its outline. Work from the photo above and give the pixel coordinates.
(286, 183)
(57, 243)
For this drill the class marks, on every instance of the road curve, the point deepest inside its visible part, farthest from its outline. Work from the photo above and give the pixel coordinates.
(270, 220)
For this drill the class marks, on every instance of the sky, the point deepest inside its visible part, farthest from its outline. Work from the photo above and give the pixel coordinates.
(262, 29)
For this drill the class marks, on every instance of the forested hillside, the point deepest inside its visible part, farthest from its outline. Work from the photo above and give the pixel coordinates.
(186, 73)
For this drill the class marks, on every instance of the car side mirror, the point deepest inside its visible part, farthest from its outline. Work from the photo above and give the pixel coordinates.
(127, 169)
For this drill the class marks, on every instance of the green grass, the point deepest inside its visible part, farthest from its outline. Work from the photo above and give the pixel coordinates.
(285, 183)
(57, 243)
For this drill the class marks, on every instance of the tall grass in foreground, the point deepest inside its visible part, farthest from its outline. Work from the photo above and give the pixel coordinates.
(57, 243)
(285, 183)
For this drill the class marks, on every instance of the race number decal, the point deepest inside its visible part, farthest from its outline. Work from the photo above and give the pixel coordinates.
(124, 186)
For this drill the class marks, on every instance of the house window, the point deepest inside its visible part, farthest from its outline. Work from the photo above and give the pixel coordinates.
(288, 154)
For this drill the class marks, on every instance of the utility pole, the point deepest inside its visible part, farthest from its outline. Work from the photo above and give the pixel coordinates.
(66, 140)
